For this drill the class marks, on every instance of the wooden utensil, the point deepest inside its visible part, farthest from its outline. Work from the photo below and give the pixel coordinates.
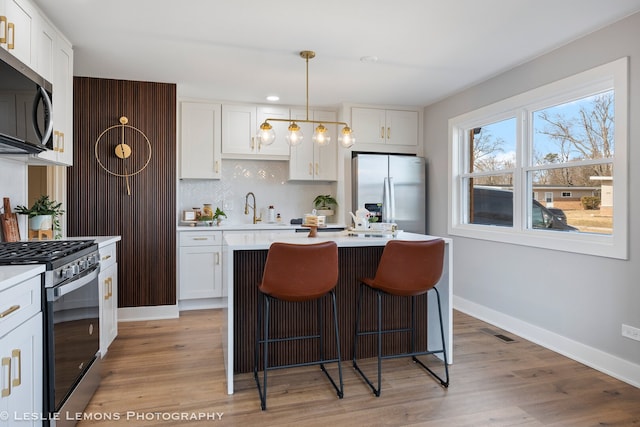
(9, 222)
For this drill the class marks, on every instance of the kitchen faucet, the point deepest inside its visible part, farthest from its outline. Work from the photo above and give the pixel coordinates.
(246, 207)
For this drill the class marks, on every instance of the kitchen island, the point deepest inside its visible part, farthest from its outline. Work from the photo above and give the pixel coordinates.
(244, 256)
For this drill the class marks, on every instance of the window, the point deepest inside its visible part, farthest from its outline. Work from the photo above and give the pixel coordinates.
(565, 139)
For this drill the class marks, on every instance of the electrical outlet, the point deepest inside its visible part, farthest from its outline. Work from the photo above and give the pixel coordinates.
(631, 332)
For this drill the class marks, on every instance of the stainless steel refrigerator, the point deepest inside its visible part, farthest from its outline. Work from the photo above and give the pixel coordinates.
(391, 186)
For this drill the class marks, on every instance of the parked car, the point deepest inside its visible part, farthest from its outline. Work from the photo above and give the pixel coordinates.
(558, 214)
(494, 206)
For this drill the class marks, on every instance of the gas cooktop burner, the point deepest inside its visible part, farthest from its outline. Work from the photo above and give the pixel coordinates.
(40, 251)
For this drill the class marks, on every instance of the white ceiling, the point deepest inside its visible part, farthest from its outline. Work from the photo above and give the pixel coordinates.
(244, 50)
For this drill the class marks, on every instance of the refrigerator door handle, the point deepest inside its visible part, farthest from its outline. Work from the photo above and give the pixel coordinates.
(392, 201)
(386, 201)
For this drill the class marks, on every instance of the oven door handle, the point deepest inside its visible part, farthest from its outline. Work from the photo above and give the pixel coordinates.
(76, 283)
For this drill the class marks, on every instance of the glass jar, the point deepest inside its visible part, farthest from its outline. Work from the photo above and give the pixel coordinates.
(207, 210)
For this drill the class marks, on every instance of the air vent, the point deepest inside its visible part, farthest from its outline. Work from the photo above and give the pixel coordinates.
(501, 337)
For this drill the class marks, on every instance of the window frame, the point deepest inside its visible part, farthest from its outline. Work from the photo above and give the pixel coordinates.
(613, 75)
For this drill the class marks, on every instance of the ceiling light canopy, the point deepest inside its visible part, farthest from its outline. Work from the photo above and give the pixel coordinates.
(266, 134)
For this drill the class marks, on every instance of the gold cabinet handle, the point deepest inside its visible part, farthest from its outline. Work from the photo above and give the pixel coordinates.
(9, 311)
(253, 143)
(310, 168)
(106, 257)
(3, 29)
(389, 133)
(56, 138)
(61, 146)
(382, 132)
(200, 238)
(317, 169)
(17, 354)
(110, 287)
(216, 166)
(11, 28)
(106, 289)
(6, 361)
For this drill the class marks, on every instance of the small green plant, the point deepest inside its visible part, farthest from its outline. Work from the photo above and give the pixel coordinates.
(218, 214)
(325, 202)
(45, 206)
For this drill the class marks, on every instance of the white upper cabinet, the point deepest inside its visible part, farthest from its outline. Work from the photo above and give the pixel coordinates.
(239, 128)
(387, 127)
(55, 63)
(279, 146)
(200, 136)
(309, 161)
(17, 29)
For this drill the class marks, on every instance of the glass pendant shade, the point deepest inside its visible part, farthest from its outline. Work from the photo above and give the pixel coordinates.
(346, 138)
(266, 134)
(321, 135)
(295, 135)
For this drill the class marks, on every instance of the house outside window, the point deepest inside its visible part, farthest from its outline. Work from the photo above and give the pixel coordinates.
(570, 135)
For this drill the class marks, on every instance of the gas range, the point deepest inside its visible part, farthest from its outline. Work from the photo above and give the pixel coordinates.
(63, 259)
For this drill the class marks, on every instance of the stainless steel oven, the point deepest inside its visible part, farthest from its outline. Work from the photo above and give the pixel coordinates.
(73, 343)
(71, 322)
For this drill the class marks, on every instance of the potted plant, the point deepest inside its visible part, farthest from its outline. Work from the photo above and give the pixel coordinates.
(325, 204)
(218, 214)
(43, 215)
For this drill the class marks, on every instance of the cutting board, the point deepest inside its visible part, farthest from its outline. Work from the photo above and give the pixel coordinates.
(9, 222)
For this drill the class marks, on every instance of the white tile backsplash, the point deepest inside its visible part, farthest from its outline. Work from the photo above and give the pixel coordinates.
(266, 179)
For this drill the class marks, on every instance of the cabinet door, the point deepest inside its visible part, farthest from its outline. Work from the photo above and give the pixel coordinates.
(61, 70)
(308, 161)
(108, 280)
(20, 23)
(369, 125)
(279, 146)
(45, 41)
(238, 129)
(200, 140)
(21, 374)
(301, 155)
(200, 272)
(402, 127)
(325, 157)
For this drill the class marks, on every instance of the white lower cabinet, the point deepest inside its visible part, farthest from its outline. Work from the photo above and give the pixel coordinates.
(108, 292)
(21, 358)
(200, 269)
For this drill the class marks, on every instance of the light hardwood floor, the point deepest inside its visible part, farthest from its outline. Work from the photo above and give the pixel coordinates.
(158, 371)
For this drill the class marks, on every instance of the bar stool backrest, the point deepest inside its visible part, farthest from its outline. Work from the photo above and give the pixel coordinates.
(409, 267)
(300, 272)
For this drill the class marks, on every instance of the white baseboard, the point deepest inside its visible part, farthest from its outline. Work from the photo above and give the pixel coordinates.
(153, 312)
(202, 304)
(604, 362)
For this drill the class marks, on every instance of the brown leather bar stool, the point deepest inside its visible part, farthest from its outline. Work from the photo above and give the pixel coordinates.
(406, 269)
(297, 273)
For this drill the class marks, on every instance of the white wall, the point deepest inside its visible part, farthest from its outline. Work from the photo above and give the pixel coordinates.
(576, 305)
(13, 184)
(266, 179)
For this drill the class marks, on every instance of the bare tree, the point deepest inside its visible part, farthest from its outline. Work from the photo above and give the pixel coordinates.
(587, 135)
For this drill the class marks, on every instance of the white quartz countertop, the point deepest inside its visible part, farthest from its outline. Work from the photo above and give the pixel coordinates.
(247, 227)
(227, 227)
(102, 241)
(11, 275)
(248, 241)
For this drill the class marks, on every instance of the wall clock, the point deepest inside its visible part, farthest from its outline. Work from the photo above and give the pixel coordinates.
(125, 153)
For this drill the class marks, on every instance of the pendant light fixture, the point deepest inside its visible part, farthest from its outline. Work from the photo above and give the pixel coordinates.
(266, 134)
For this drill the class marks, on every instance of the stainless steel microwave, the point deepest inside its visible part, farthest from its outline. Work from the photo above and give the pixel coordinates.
(26, 116)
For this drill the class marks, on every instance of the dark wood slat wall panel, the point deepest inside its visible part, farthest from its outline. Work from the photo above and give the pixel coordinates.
(301, 318)
(98, 203)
